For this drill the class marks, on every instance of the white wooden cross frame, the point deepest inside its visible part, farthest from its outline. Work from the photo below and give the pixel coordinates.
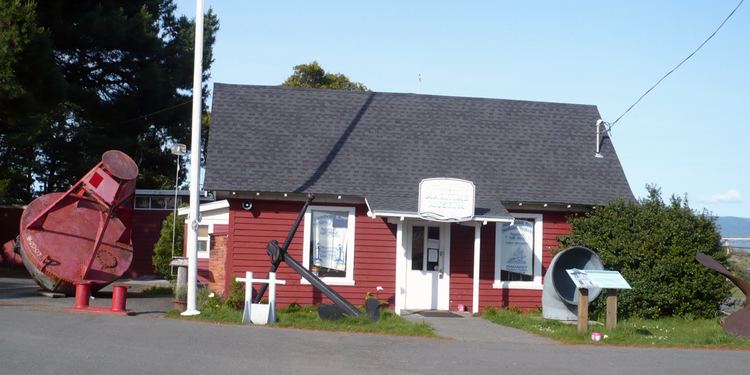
(255, 312)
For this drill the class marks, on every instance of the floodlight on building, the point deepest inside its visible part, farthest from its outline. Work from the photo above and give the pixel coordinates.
(179, 149)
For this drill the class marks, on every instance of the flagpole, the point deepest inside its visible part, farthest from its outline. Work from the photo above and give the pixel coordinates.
(195, 158)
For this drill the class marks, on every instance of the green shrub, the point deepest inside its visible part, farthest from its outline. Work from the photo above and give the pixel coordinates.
(206, 300)
(236, 297)
(163, 248)
(653, 244)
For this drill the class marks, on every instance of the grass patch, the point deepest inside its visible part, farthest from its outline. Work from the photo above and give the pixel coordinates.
(156, 291)
(220, 315)
(306, 317)
(214, 309)
(665, 332)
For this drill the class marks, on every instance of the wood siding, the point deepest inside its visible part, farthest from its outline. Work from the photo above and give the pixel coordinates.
(250, 231)
(374, 259)
(462, 262)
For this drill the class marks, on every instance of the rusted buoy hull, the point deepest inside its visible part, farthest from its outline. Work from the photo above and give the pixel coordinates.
(82, 235)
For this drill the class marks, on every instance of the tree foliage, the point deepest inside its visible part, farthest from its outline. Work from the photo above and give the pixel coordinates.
(312, 75)
(653, 244)
(29, 90)
(163, 248)
(80, 77)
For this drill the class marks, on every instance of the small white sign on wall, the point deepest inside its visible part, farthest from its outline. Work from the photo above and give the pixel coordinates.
(518, 247)
(446, 199)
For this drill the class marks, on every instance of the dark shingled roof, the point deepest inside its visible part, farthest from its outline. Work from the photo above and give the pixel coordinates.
(380, 145)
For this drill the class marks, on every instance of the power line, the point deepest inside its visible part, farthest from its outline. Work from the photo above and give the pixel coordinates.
(677, 66)
(157, 112)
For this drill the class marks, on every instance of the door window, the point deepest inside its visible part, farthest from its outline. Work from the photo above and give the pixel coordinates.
(425, 253)
(417, 248)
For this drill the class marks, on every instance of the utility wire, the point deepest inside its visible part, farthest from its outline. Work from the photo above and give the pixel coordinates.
(159, 111)
(678, 65)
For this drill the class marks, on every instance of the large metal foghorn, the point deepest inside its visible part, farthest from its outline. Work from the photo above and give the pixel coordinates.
(559, 297)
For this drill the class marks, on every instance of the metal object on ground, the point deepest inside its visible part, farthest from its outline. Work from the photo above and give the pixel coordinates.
(9, 254)
(279, 254)
(315, 281)
(737, 324)
(82, 235)
(559, 295)
(330, 312)
(119, 300)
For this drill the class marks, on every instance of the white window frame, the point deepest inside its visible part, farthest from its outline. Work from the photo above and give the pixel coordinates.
(206, 254)
(349, 279)
(536, 283)
(211, 213)
(150, 197)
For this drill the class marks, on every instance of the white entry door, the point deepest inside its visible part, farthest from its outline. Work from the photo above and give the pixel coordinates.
(427, 266)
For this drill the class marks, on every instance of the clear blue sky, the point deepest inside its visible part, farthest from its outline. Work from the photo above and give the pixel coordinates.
(691, 135)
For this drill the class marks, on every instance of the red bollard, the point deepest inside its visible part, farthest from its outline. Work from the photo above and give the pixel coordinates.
(83, 294)
(119, 297)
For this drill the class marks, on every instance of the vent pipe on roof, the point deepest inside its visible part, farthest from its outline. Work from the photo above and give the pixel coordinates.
(599, 123)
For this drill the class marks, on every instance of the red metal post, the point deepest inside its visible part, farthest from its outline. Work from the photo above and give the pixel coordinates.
(83, 294)
(119, 297)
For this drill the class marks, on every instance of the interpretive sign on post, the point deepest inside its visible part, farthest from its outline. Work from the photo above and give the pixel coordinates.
(585, 279)
(597, 279)
(607, 279)
(446, 199)
(259, 313)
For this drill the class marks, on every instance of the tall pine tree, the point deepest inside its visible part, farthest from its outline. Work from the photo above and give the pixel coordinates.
(88, 76)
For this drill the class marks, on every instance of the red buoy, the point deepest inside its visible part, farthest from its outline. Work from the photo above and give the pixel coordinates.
(82, 235)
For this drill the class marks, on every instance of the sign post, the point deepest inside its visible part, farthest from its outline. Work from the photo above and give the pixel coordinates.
(611, 308)
(583, 310)
(610, 280)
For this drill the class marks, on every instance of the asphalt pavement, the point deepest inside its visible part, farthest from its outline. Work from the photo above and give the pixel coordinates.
(39, 337)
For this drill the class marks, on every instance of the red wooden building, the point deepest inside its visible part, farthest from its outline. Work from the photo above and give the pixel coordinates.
(151, 207)
(363, 155)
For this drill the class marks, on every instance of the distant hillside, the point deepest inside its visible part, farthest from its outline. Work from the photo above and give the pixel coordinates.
(733, 226)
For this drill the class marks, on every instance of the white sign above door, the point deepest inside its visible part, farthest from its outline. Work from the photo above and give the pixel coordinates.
(446, 199)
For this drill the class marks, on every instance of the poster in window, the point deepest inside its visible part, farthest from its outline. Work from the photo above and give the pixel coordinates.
(433, 246)
(330, 229)
(432, 255)
(517, 247)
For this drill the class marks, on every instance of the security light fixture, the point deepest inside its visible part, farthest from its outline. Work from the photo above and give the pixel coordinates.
(179, 149)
